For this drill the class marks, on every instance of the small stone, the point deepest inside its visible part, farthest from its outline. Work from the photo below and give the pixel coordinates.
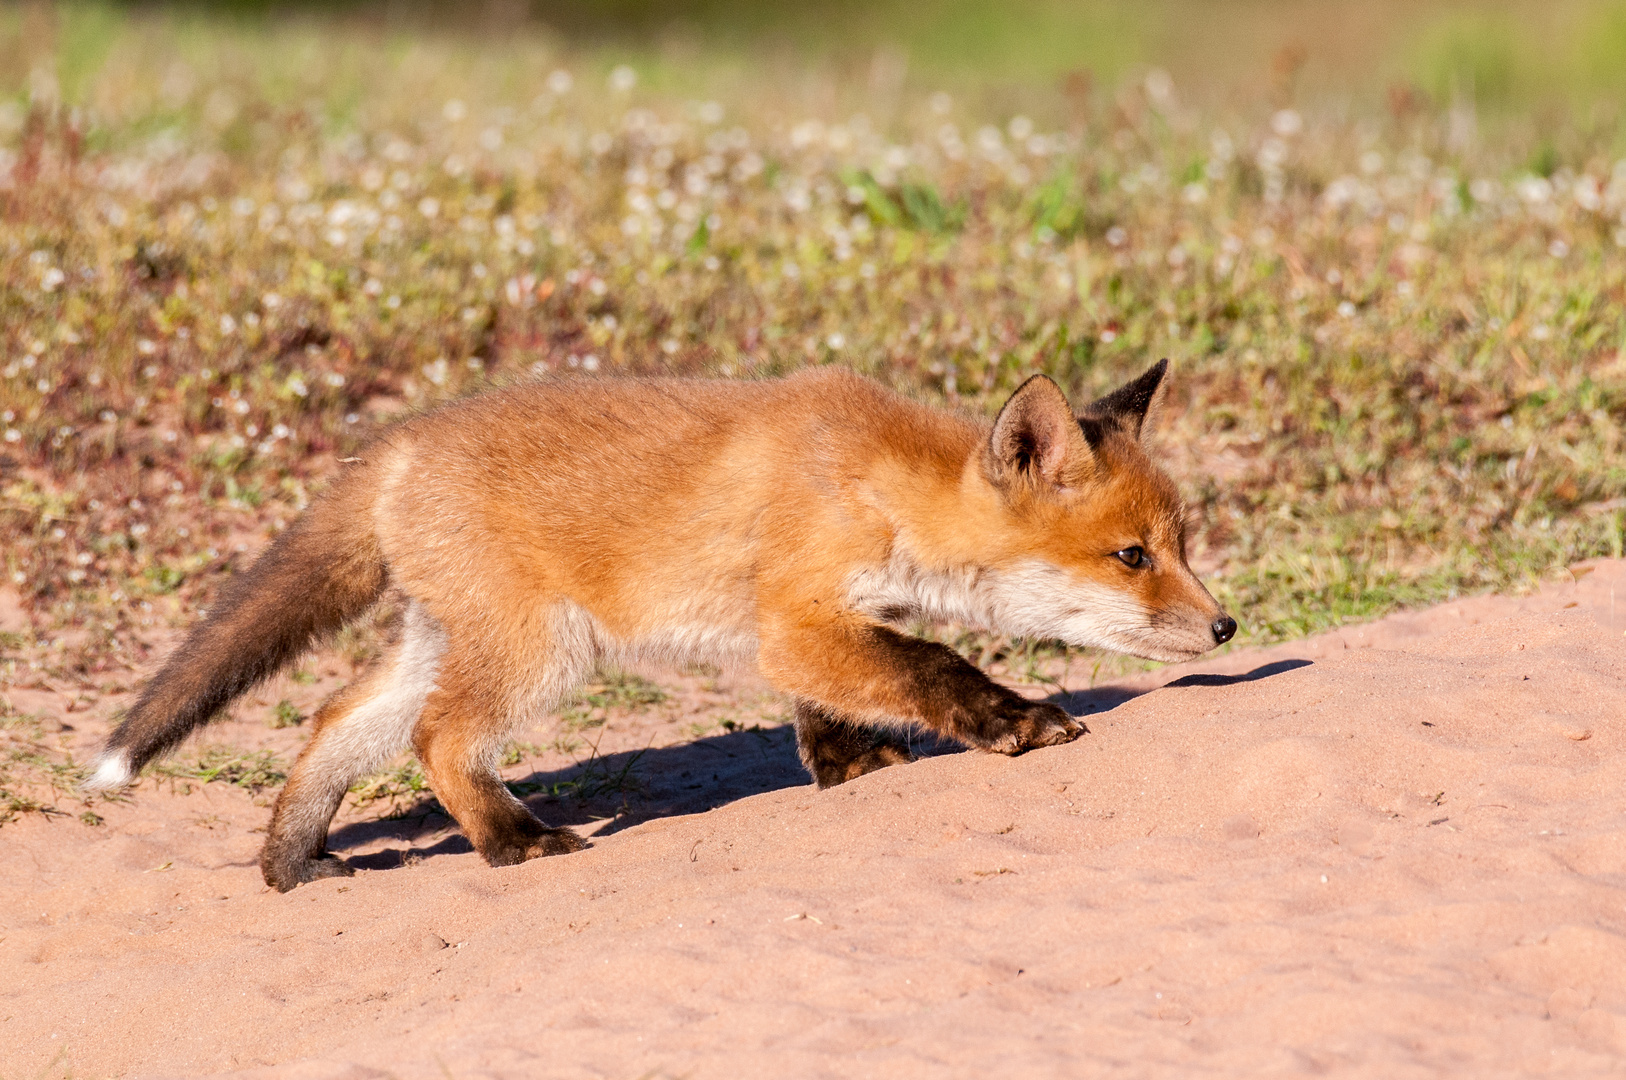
(1566, 1003)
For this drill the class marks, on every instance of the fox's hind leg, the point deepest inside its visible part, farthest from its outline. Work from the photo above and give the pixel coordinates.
(465, 723)
(356, 731)
(837, 750)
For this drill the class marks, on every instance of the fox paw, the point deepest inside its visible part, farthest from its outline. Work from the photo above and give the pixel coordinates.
(555, 842)
(1037, 724)
(283, 874)
(879, 756)
(538, 844)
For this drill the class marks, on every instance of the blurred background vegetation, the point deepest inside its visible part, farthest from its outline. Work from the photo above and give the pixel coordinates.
(1514, 54)
(1382, 242)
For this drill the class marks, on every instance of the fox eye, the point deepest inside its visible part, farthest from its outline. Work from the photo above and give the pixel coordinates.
(1131, 556)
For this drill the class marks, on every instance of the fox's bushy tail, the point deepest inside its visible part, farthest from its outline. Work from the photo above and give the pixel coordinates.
(322, 572)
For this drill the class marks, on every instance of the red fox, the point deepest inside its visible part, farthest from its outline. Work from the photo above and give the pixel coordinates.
(541, 530)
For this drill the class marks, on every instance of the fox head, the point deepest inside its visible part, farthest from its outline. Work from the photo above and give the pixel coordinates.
(1089, 532)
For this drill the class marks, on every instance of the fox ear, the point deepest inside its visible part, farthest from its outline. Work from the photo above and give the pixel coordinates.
(1037, 436)
(1126, 407)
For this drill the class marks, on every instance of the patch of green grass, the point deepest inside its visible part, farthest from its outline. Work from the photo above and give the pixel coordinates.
(594, 779)
(286, 714)
(700, 729)
(767, 712)
(622, 690)
(914, 206)
(13, 804)
(516, 752)
(612, 689)
(404, 780)
(1471, 55)
(565, 743)
(253, 770)
(34, 775)
(405, 789)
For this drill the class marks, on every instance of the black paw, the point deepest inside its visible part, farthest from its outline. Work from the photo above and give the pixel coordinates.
(1036, 723)
(829, 773)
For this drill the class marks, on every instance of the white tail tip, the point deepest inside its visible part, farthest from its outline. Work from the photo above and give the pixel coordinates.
(111, 774)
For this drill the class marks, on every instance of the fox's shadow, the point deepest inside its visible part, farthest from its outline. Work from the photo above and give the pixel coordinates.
(621, 789)
(626, 788)
(1100, 699)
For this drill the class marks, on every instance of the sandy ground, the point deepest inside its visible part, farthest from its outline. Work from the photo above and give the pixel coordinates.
(1398, 850)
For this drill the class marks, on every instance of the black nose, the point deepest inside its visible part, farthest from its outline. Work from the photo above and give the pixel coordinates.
(1224, 628)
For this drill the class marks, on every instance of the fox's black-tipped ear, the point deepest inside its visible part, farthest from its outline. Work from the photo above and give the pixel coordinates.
(1126, 407)
(1037, 437)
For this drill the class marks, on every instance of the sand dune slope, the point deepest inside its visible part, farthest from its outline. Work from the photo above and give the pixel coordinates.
(1392, 852)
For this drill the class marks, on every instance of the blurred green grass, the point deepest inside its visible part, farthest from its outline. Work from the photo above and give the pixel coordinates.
(1512, 52)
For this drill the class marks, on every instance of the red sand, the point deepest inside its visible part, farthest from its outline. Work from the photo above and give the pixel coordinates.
(1406, 857)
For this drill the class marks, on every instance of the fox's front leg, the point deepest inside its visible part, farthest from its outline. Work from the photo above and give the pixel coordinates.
(836, 749)
(864, 672)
